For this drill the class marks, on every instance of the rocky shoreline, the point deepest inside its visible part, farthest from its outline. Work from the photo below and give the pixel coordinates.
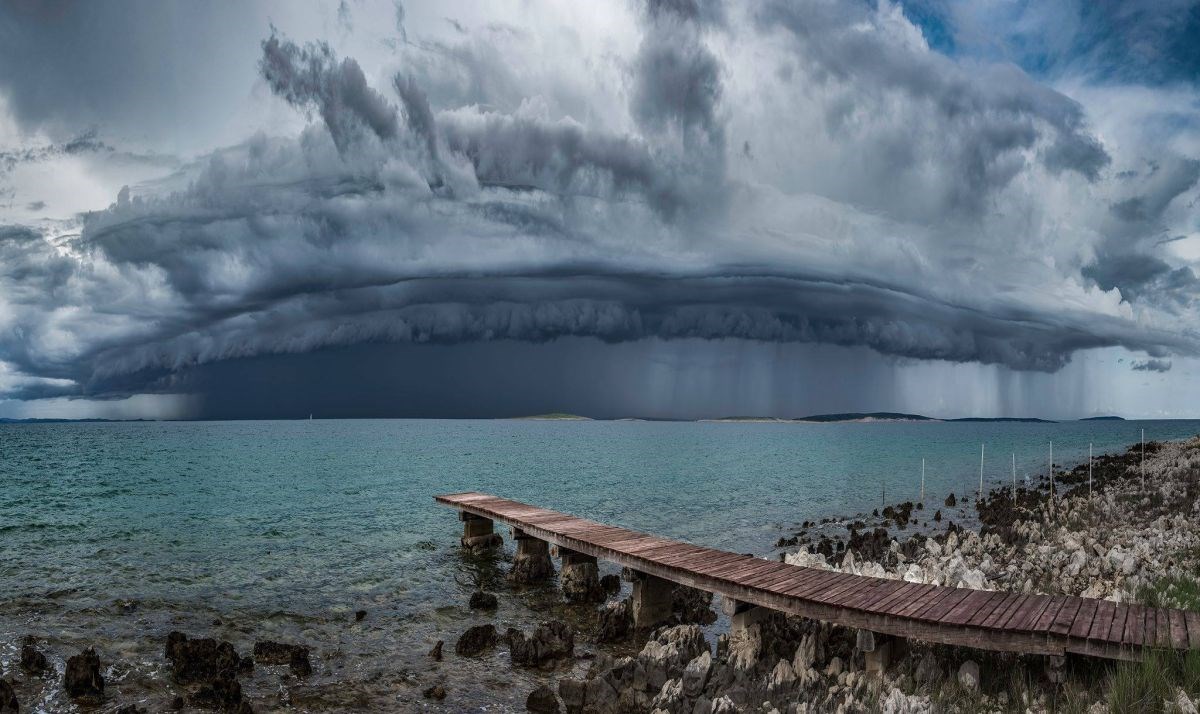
(1113, 539)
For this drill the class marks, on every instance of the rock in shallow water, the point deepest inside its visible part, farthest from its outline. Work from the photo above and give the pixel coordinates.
(481, 600)
(200, 660)
(542, 701)
(475, 640)
(436, 652)
(551, 640)
(33, 662)
(295, 656)
(82, 680)
(8, 699)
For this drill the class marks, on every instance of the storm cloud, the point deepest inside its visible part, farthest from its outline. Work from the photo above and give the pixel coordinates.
(897, 199)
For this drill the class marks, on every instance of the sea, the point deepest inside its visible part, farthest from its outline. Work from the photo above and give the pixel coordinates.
(114, 534)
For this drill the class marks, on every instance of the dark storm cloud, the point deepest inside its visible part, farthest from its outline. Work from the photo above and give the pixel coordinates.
(454, 205)
(1152, 365)
(311, 77)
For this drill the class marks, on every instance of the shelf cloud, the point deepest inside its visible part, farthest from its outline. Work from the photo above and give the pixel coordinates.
(779, 172)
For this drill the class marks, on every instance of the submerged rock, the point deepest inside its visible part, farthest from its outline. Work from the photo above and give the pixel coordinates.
(294, 656)
(542, 701)
(475, 640)
(8, 698)
(436, 652)
(200, 660)
(550, 641)
(33, 662)
(437, 692)
(481, 600)
(82, 680)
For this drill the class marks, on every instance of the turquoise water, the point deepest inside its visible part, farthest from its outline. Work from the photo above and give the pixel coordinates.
(122, 531)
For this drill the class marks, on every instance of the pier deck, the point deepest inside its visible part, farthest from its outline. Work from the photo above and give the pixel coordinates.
(990, 620)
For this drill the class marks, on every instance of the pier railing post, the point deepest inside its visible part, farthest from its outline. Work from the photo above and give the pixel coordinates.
(531, 563)
(651, 599)
(477, 532)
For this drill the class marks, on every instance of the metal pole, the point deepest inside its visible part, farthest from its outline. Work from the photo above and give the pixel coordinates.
(980, 496)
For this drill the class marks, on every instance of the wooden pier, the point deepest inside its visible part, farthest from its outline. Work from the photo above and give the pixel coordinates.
(989, 620)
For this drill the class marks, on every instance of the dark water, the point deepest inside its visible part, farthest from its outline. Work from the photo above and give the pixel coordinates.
(114, 534)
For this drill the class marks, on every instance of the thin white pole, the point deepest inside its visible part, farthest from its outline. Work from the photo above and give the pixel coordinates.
(1089, 470)
(922, 480)
(980, 496)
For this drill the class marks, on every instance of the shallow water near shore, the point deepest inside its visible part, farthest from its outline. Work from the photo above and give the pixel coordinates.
(115, 534)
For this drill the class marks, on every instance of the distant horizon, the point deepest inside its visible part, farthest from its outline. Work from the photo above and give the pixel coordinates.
(565, 416)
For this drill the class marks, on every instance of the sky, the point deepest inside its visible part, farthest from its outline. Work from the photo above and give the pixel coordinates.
(638, 208)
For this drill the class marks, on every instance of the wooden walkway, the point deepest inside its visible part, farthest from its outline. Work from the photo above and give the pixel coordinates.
(990, 620)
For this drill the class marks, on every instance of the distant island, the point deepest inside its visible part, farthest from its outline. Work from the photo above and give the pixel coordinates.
(872, 417)
(1103, 418)
(556, 416)
(35, 420)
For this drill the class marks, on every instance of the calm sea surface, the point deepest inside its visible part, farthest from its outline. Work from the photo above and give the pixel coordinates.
(116, 533)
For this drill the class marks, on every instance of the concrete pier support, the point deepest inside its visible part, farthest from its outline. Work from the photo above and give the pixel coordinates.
(651, 599)
(477, 533)
(742, 615)
(531, 564)
(879, 650)
(580, 577)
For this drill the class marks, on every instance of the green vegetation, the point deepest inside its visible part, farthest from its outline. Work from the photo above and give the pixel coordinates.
(1182, 592)
(1150, 685)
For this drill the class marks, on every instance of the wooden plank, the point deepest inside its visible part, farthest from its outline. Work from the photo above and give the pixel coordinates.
(1102, 621)
(984, 611)
(1135, 626)
(1047, 619)
(1027, 617)
(877, 589)
(1066, 616)
(1005, 610)
(1193, 625)
(823, 578)
(923, 603)
(901, 594)
(936, 611)
(915, 597)
(1163, 619)
(1179, 636)
(1116, 629)
(1083, 619)
(966, 608)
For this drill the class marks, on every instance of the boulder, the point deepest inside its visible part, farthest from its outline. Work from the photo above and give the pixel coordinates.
(200, 660)
(951, 502)
(968, 675)
(81, 680)
(550, 641)
(542, 701)
(223, 693)
(33, 662)
(437, 692)
(481, 600)
(616, 621)
(695, 675)
(475, 640)
(8, 698)
(436, 652)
